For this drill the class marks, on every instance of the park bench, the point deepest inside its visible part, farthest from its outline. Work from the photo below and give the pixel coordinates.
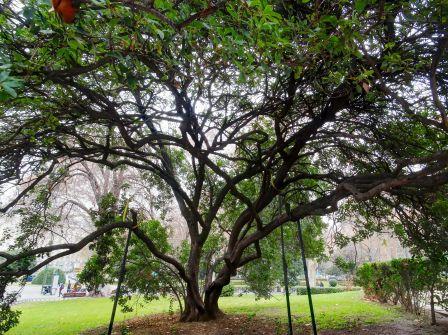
(74, 294)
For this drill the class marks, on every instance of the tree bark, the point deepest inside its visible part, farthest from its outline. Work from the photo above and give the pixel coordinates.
(194, 307)
(211, 302)
(198, 310)
(432, 304)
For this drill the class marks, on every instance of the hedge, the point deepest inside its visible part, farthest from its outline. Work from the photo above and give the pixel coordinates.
(325, 290)
(401, 281)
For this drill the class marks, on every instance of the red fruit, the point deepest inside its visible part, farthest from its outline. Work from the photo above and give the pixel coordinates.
(65, 9)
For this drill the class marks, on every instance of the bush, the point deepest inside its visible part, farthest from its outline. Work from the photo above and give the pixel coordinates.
(403, 281)
(228, 291)
(333, 282)
(8, 317)
(325, 290)
(47, 276)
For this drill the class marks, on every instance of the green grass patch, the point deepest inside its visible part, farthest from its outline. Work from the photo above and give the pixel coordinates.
(73, 316)
(333, 311)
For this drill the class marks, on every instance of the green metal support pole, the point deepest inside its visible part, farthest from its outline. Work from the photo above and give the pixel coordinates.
(305, 270)
(286, 282)
(285, 269)
(120, 281)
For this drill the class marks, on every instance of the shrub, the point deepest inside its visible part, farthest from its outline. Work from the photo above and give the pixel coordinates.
(8, 317)
(333, 282)
(403, 281)
(228, 291)
(325, 290)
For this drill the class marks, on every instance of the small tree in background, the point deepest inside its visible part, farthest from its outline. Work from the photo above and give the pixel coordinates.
(45, 277)
(265, 273)
(347, 267)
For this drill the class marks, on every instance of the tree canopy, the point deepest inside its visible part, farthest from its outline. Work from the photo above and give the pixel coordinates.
(227, 105)
(45, 277)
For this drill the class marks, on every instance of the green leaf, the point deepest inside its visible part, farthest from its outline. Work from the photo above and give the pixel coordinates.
(73, 44)
(333, 20)
(9, 89)
(298, 72)
(4, 75)
(360, 5)
(4, 96)
(160, 33)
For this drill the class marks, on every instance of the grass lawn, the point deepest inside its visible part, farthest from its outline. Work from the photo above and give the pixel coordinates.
(333, 311)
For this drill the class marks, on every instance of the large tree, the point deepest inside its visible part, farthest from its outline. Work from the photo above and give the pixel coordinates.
(228, 104)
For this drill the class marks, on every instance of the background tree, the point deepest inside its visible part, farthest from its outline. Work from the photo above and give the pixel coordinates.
(263, 274)
(346, 266)
(45, 277)
(227, 102)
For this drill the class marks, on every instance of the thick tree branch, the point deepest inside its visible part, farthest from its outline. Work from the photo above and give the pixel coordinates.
(69, 248)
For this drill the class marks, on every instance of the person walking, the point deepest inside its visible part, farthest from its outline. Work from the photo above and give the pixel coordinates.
(61, 287)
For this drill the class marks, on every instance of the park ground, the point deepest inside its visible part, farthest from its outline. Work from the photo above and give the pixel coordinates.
(339, 313)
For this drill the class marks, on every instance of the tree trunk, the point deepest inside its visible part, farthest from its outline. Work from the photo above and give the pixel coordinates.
(198, 310)
(208, 272)
(212, 295)
(432, 304)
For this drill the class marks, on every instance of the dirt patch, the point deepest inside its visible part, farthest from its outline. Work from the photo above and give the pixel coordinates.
(227, 325)
(246, 325)
(399, 327)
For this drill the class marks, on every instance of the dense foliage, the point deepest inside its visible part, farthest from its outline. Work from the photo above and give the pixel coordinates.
(228, 291)
(345, 266)
(10, 317)
(409, 282)
(228, 106)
